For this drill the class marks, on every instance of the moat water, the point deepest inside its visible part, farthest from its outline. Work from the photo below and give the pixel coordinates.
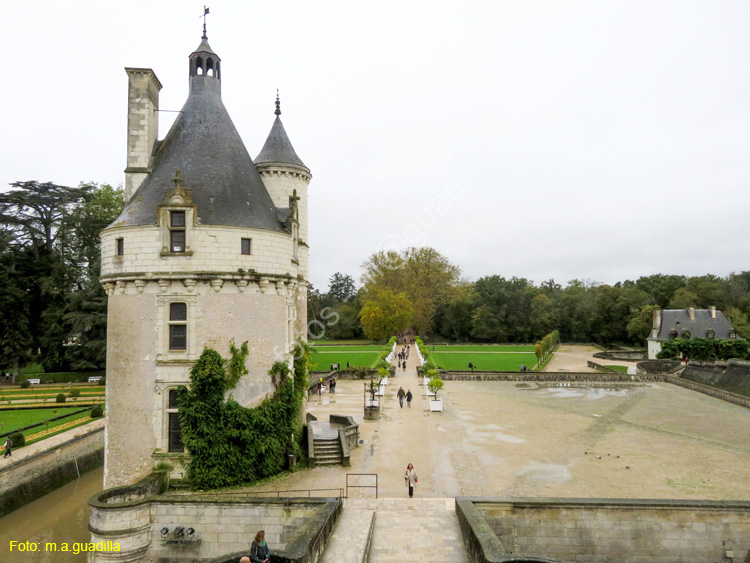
(61, 516)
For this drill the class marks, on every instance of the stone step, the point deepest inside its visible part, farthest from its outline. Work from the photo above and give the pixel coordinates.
(350, 538)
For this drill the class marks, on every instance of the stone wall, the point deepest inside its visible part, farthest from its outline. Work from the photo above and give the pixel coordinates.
(32, 477)
(134, 516)
(547, 376)
(605, 530)
(713, 391)
(623, 355)
(732, 376)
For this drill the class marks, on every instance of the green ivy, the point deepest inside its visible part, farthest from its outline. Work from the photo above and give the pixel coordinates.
(230, 444)
(705, 349)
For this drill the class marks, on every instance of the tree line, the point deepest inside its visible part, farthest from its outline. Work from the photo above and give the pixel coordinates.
(419, 287)
(52, 308)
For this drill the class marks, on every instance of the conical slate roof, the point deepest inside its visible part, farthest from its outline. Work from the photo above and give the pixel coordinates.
(204, 145)
(278, 148)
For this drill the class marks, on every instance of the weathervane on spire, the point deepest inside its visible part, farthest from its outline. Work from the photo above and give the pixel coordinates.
(206, 11)
(278, 103)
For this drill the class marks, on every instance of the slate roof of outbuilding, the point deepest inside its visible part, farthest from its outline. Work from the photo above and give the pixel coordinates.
(204, 145)
(679, 320)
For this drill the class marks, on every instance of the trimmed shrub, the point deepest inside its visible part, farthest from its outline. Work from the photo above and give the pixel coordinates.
(102, 381)
(60, 398)
(17, 439)
(97, 411)
(25, 384)
(75, 392)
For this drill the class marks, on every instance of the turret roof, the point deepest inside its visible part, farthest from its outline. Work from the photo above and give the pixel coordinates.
(204, 145)
(278, 148)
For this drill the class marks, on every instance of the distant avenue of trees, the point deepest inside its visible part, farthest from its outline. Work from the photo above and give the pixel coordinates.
(420, 287)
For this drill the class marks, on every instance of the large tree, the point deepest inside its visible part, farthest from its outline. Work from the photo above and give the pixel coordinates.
(385, 313)
(423, 275)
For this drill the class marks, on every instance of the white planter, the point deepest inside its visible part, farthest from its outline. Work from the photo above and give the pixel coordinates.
(381, 390)
(436, 405)
(384, 381)
(372, 402)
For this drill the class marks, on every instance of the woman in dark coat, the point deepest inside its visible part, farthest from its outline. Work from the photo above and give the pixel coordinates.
(259, 552)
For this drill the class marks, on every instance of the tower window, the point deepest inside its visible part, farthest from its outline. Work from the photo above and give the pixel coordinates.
(174, 432)
(177, 231)
(178, 326)
(246, 246)
(120, 246)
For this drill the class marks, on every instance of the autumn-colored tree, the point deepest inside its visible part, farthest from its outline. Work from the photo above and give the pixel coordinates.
(385, 313)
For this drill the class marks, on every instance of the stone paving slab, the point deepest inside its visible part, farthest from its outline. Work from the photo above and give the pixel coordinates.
(417, 529)
(349, 540)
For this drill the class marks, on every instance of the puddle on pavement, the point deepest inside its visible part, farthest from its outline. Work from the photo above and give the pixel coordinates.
(545, 472)
(583, 391)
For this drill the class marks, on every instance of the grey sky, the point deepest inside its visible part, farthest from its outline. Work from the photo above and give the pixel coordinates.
(592, 140)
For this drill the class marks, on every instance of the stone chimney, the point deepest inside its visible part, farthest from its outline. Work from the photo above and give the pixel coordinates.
(691, 312)
(143, 125)
(657, 320)
(713, 311)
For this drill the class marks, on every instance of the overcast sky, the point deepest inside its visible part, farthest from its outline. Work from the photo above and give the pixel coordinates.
(594, 140)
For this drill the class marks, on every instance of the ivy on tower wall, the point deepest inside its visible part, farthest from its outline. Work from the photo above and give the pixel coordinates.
(230, 444)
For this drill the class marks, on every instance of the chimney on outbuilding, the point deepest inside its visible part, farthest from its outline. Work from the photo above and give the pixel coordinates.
(691, 312)
(657, 319)
(143, 125)
(713, 311)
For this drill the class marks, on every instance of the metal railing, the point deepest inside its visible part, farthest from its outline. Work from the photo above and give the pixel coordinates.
(283, 493)
(375, 486)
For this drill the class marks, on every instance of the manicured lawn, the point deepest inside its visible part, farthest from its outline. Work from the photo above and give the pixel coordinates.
(621, 369)
(52, 391)
(352, 348)
(483, 348)
(484, 362)
(13, 420)
(322, 360)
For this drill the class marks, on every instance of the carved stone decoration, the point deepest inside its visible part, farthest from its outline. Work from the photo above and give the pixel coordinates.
(189, 284)
(164, 286)
(241, 285)
(109, 288)
(216, 285)
(140, 285)
(280, 288)
(177, 195)
(121, 287)
(263, 286)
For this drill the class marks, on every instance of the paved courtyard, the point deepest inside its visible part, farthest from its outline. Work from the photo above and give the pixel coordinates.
(518, 439)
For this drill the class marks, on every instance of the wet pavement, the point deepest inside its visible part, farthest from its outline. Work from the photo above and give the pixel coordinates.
(524, 439)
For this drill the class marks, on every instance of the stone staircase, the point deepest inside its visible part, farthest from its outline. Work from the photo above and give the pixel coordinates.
(327, 452)
(397, 529)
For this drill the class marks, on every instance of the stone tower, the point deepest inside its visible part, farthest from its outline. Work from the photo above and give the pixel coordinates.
(206, 250)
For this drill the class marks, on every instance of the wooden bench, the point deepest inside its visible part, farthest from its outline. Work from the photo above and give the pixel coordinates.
(95, 379)
(34, 381)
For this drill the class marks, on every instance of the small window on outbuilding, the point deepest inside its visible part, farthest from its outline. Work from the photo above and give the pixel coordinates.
(246, 246)
(120, 246)
(732, 334)
(178, 326)
(672, 334)
(710, 334)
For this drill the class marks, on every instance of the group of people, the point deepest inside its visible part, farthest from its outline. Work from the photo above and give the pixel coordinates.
(404, 394)
(402, 356)
(337, 366)
(331, 386)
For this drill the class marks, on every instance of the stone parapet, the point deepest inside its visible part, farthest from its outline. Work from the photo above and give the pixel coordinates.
(562, 529)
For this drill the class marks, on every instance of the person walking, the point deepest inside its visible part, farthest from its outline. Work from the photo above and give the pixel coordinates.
(411, 479)
(320, 387)
(401, 394)
(259, 552)
(332, 385)
(8, 446)
(409, 397)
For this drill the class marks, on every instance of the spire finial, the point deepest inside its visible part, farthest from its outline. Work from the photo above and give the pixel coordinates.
(205, 12)
(278, 103)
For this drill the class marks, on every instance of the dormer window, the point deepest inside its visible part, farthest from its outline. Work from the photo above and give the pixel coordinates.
(177, 231)
(733, 334)
(673, 334)
(710, 334)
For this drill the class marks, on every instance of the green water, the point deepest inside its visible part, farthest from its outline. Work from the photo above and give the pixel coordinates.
(58, 517)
